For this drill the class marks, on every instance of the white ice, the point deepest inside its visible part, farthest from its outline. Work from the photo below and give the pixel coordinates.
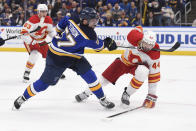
(56, 109)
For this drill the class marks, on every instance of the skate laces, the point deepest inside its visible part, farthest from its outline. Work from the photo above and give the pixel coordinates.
(26, 73)
(20, 100)
(104, 101)
(125, 96)
(83, 95)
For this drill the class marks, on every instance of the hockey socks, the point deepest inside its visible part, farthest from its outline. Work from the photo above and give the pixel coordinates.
(93, 83)
(34, 88)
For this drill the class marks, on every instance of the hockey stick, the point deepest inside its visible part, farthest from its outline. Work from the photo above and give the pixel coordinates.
(173, 48)
(2, 41)
(45, 43)
(120, 113)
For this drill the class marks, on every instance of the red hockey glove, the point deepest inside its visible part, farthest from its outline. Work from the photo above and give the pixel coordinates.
(150, 100)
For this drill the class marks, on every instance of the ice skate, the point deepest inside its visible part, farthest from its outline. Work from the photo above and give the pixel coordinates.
(18, 102)
(125, 97)
(82, 96)
(26, 76)
(106, 103)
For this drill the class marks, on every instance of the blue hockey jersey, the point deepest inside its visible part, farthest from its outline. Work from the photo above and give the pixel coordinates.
(74, 39)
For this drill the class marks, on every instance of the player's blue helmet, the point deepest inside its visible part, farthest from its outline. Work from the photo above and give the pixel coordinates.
(88, 13)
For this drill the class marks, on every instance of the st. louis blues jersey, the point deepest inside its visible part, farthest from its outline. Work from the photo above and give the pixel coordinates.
(74, 39)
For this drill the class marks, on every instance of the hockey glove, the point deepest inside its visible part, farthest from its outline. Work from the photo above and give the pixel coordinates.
(110, 44)
(150, 100)
(59, 35)
(2, 42)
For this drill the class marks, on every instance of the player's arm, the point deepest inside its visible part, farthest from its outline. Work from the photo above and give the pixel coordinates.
(153, 80)
(99, 44)
(26, 29)
(50, 29)
(60, 27)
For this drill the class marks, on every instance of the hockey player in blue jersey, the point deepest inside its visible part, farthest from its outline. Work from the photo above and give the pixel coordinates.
(66, 51)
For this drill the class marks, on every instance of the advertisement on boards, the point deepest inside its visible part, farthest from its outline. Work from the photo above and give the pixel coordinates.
(166, 37)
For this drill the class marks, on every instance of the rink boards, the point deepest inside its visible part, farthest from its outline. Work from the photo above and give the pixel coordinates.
(166, 38)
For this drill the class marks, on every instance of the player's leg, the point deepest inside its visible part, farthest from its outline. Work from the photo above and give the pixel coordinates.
(33, 56)
(50, 76)
(83, 68)
(44, 50)
(110, 75)
(141, 74)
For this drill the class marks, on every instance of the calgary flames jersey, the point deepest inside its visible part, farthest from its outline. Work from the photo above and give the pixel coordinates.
(137, 57)
(40, 35)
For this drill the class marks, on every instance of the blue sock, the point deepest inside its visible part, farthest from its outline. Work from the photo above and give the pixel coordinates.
(95, 86)
(34, 88)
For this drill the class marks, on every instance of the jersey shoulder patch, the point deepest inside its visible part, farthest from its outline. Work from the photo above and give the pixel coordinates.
(48, 20)
(34, 19)
(154, 54)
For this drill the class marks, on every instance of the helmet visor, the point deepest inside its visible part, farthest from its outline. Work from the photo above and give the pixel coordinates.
(93, 22)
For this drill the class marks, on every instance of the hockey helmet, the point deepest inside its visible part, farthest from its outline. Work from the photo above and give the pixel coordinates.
(42, 7)
(88, 13)
(149, 38)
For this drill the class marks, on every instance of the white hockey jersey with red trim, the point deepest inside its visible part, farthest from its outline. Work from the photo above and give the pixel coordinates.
(150, 59)
(46, 25)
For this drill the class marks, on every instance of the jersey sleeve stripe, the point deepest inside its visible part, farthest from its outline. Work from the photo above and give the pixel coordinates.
(154, 81)
(153, 75)
(63, 54)
(78, 28)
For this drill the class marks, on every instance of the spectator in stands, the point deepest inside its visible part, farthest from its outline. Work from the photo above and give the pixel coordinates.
(7, 19)
(49, 9)
(137, 2)
(99, 6)
(75, 15)
(89, 3)
(56, 8)
(113, 2)
(20, 20)
(173, 5)
(149, 21)
(64, 9)
(58, 18)
(125, 5)
(123, 20)
(155, 6)
(133, 9)
(69, 4)
(116, 12)
(168, 15)
(110, 7)
(29, 11)
(74, 6)
(108, 21)
(137, 20)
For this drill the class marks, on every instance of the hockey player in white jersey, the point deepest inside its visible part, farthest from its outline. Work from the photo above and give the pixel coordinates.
(142, 63)
(33, 41)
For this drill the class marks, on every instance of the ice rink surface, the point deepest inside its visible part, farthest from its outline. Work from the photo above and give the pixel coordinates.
(56, 109)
